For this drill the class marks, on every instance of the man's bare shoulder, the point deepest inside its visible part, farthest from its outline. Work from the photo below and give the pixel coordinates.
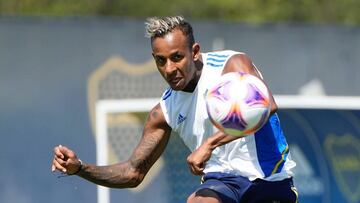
(156, 118)
(239, 62)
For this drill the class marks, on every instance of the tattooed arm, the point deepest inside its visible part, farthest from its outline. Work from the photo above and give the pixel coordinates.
(125, 174)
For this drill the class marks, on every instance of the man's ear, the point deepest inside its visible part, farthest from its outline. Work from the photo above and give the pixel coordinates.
(196, 51)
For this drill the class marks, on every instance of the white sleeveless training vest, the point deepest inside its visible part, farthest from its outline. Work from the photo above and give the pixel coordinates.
(263, 155)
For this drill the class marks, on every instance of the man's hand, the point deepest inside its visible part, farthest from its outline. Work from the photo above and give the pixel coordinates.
(198, 158)
(65, 161)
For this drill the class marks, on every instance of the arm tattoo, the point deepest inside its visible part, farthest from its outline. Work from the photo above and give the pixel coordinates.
(152, 144)
(154, 114)
(144, 156)
(130, 173)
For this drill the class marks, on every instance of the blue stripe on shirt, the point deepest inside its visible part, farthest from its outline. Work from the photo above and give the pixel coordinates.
(167, 94)
(271, 146)
(216, 60)
(219, 55)
(214, 65)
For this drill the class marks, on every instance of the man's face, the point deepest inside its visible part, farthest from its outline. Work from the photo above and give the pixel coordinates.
(174, 59)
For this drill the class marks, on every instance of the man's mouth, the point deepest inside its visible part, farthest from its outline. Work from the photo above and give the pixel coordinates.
(175, 80)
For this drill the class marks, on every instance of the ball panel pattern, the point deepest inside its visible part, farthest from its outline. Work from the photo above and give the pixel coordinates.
(238, 104)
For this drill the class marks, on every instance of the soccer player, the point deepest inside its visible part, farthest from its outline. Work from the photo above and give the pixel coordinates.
(253, 168)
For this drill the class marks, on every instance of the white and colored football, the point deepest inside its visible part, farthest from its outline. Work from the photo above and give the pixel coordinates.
(238, 104)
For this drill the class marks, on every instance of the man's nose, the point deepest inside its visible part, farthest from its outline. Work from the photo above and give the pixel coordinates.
(170, 67)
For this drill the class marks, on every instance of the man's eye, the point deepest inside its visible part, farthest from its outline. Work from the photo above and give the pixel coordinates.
(176, 58)
(160, 61)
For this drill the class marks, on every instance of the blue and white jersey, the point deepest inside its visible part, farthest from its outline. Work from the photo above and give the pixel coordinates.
(263, 155)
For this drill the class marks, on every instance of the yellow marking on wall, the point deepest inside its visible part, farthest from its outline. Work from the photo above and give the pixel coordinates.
(118, 64)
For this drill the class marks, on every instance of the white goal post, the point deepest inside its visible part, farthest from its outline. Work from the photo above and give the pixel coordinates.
(105, 107)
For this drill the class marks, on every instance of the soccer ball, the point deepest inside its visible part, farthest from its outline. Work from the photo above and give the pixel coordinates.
(238, 104)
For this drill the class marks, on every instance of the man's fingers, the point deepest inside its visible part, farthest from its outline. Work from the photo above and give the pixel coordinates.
(66, 151)
(199, 171)
(60, 161)
(57, 151)
(196, 169)
(65, 160)
(63, 152)
(58, 166)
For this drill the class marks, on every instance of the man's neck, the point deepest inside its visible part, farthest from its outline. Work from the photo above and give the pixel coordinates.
(193, 83)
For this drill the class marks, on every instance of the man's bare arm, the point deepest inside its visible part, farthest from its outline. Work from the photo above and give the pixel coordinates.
(242, 63)
(131, 172)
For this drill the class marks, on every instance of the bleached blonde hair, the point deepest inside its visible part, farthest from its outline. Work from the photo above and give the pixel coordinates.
(160, 26)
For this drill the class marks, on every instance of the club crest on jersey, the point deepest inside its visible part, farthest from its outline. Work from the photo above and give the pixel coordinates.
(180, 119)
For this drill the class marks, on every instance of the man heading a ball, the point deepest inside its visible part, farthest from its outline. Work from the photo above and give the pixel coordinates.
(252, 168)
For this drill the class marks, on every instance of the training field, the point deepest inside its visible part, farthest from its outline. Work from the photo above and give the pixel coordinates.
(65, 81)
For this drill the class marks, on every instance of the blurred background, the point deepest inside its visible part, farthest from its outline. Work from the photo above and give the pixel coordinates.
(59, 58)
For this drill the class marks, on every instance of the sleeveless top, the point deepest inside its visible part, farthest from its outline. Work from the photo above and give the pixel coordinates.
(264, 155)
